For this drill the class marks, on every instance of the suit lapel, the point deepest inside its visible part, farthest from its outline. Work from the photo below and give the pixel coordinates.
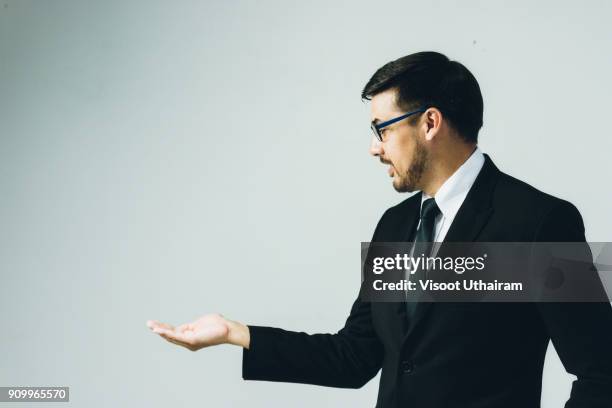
(469, 221)
(407, 230)
(476, 208)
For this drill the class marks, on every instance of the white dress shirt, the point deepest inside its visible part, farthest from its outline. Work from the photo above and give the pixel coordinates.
(449, 198)
(451, 195)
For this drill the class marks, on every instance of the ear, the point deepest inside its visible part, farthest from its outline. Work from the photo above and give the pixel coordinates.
(432, 123)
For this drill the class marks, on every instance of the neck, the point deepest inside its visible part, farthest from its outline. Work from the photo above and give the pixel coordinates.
(444, 164)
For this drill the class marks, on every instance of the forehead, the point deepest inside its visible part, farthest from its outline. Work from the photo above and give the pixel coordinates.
(383, 105)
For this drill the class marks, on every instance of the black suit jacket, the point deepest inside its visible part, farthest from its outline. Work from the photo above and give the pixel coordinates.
(457, 354)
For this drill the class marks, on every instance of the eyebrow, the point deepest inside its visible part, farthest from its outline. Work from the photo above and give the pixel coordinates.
(376, 121)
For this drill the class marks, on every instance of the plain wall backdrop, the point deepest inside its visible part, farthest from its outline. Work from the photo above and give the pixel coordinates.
(166, 159)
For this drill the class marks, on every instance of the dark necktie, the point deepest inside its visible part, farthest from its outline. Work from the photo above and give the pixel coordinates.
(422, 246)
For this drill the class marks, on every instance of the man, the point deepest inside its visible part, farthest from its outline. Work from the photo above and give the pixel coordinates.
(426, 114)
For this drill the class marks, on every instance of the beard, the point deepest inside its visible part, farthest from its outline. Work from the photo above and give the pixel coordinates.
(408, 182)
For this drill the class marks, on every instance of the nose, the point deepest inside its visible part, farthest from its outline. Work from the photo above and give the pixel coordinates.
(376, 148)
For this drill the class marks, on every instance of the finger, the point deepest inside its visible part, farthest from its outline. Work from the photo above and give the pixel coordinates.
(183, 327)
(152, 324)
(187, 346)
(173, 335)
(171, 340)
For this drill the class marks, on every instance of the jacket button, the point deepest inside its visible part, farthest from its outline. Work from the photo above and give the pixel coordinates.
(407, 366)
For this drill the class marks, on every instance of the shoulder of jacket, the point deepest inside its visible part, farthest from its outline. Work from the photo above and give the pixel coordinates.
(520, 193)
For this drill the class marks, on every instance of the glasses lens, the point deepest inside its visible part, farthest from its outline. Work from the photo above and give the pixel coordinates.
(376, 132)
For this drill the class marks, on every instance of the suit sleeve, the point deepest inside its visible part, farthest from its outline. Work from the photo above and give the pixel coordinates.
(580, 332)
(346, 359)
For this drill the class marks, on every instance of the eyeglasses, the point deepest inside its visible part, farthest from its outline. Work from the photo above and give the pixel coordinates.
(376, 128)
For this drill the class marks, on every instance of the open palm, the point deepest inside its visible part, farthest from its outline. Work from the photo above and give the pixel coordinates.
(208, 330)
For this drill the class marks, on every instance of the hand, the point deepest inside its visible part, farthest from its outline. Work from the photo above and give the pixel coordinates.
(208, 330)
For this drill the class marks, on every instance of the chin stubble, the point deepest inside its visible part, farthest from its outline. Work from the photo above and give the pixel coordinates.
(410, 180)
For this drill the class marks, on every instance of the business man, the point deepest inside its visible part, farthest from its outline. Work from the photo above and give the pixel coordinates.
(426, 115)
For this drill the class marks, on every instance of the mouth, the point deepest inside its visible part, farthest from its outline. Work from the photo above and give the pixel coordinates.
(391, 169)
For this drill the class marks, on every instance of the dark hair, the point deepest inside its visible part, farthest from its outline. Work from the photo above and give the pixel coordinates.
(430, 79)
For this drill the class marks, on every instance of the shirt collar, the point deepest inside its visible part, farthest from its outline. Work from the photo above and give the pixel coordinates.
(453, 191)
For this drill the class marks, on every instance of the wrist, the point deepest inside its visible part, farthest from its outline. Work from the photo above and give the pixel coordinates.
(239, 334)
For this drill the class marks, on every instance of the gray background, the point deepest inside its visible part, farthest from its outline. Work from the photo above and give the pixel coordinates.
(161, 160)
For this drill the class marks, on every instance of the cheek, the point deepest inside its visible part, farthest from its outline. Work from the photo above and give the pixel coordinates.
(401, 155)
